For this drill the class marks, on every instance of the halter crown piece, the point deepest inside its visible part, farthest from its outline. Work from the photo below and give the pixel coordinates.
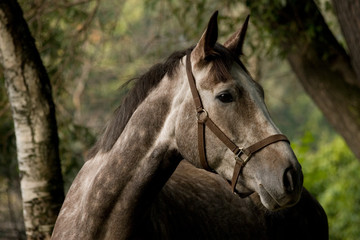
(242, 155)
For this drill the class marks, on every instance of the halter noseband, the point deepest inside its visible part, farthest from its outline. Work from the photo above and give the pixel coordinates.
(205, 120)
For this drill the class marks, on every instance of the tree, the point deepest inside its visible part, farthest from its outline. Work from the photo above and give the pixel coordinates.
(33, 111)
(348, 12)
(325, 70)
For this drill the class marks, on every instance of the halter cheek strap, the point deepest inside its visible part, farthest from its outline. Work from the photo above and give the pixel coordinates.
(242, 155)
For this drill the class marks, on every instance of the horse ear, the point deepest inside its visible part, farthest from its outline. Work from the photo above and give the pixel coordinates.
(208, 40)
(236, 41)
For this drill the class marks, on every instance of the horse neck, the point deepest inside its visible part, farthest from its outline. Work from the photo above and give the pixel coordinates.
(118, 186)
(152, 125)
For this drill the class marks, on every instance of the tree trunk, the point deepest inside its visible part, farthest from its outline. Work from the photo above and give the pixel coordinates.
(348, 13)
(319, 61)
(33, 110)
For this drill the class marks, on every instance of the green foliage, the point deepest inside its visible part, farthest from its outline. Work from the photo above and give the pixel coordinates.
(330, 169)
(332, 174)
(292, 24)
(60, 28)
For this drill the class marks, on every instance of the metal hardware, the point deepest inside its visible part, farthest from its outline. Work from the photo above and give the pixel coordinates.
(239, 158)
(202, 115)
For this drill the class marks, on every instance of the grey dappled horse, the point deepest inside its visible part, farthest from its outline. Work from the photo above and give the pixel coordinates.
(201, 105)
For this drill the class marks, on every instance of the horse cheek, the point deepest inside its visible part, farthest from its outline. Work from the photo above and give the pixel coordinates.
(186, 134)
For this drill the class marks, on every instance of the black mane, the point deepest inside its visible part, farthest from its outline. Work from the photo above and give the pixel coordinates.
(142, 87)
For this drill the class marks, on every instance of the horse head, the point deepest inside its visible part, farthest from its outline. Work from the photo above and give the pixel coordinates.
(234, 103)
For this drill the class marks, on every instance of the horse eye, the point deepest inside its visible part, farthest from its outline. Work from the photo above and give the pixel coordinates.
(225, 97)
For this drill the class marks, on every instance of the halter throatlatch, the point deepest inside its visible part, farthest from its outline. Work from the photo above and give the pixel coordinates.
(242, 155)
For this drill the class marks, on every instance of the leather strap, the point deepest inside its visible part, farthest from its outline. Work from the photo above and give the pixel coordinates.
(249, 151)
(193, 88)
(201, 115)
(202, 147)
(205, 120)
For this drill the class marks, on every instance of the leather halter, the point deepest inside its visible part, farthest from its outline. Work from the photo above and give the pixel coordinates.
(205, 120)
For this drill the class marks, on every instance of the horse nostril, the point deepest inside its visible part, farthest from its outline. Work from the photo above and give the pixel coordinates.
(289, 179)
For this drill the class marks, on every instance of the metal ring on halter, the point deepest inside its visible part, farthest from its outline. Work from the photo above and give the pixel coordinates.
(200, 118)
(238, 156)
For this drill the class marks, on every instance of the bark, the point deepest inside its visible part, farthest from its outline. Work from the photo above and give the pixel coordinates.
(33, 110)
(319, 61)
(348, 13)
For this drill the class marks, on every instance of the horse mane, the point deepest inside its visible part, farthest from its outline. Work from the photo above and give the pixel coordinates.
(143, 85)
(141, 89)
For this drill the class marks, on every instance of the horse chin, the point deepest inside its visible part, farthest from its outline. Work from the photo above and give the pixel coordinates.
(264, 197)
(270, 202)
(267, 200)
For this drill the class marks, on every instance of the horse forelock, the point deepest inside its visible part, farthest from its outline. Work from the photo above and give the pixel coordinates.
(141, 89)
(222, 60)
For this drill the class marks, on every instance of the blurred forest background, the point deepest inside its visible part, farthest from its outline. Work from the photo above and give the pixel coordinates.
(90, 48)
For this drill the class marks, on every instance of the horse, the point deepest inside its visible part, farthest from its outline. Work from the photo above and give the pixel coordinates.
(165, 118)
